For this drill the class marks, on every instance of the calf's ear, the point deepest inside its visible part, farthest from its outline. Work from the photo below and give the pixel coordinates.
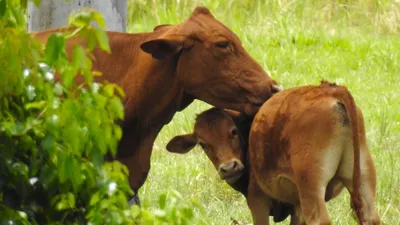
(182, 144)
(233, 113)
(166, 46)
(237, 116)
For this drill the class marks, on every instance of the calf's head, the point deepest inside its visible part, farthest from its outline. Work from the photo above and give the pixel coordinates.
(217, 132)
(211, 63)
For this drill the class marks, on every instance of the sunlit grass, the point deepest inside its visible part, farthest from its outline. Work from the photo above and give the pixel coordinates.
(354, 43)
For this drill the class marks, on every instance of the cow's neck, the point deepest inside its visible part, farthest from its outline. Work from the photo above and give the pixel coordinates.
(151, 87)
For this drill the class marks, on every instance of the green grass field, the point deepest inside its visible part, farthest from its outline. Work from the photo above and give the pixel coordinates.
(354, 43)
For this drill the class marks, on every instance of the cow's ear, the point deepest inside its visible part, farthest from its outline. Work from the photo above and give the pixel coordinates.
(166, 46)
(182, 144)
(162, 26)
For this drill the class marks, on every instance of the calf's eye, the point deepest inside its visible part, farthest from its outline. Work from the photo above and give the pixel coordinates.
(233, 132)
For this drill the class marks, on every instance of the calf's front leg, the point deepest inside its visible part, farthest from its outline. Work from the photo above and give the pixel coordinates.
(259, 204)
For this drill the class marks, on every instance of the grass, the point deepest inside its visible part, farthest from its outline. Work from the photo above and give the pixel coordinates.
(354, 43)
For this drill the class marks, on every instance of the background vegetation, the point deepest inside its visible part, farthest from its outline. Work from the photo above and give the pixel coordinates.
(352, 42)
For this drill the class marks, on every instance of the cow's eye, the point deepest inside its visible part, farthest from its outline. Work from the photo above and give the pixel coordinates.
(222, 44)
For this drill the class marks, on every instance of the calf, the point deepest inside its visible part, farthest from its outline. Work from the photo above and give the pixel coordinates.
(305, 143)
(228, 153)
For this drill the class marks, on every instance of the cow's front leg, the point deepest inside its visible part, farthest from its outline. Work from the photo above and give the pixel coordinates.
(138, 162)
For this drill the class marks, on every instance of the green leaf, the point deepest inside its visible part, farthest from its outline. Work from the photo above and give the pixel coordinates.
(73, 171)
(117, 132)
(35, 105)
(20, 169)
(54, 48)
(117, 108)
(18, 15)
(120, 91)
(78, 56)
(160, 213)
(80, 19)
(96, 158)
(100, 100)
(48, 176)
(111, 88)
(102, 39)
(177, 194)
(94, 199)
(162, 200)
(91, 40)
(18, 129)
(37, 3)
(188, 212)
(68, 76)
(135, 211)
(64, 201)
(3, 8)
(24, 4)
(98, 17)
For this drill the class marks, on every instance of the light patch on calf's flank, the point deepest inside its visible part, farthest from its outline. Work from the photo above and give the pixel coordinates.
(347, 164)
(331, 157)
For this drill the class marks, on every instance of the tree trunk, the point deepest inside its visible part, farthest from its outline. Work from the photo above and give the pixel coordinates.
(54, 13)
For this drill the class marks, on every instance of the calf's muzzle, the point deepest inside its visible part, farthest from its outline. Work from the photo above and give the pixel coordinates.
(231, 171)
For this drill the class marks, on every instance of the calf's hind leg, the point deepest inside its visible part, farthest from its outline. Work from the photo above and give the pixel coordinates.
(368, 184)
(312, 204)
(312, 179)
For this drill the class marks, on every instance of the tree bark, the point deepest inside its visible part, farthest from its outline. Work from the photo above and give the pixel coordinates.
(54, 13)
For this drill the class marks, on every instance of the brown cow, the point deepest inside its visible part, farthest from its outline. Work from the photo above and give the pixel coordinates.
(301, 151)
(162, 72)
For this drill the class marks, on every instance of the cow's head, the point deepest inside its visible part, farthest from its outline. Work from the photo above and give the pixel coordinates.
(212, 64)
(217, 133)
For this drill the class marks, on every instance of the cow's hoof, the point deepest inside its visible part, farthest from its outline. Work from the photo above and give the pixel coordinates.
(134, 200)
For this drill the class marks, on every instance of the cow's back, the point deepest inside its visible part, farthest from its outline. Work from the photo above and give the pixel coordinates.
(125, 52)
(133, 70)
